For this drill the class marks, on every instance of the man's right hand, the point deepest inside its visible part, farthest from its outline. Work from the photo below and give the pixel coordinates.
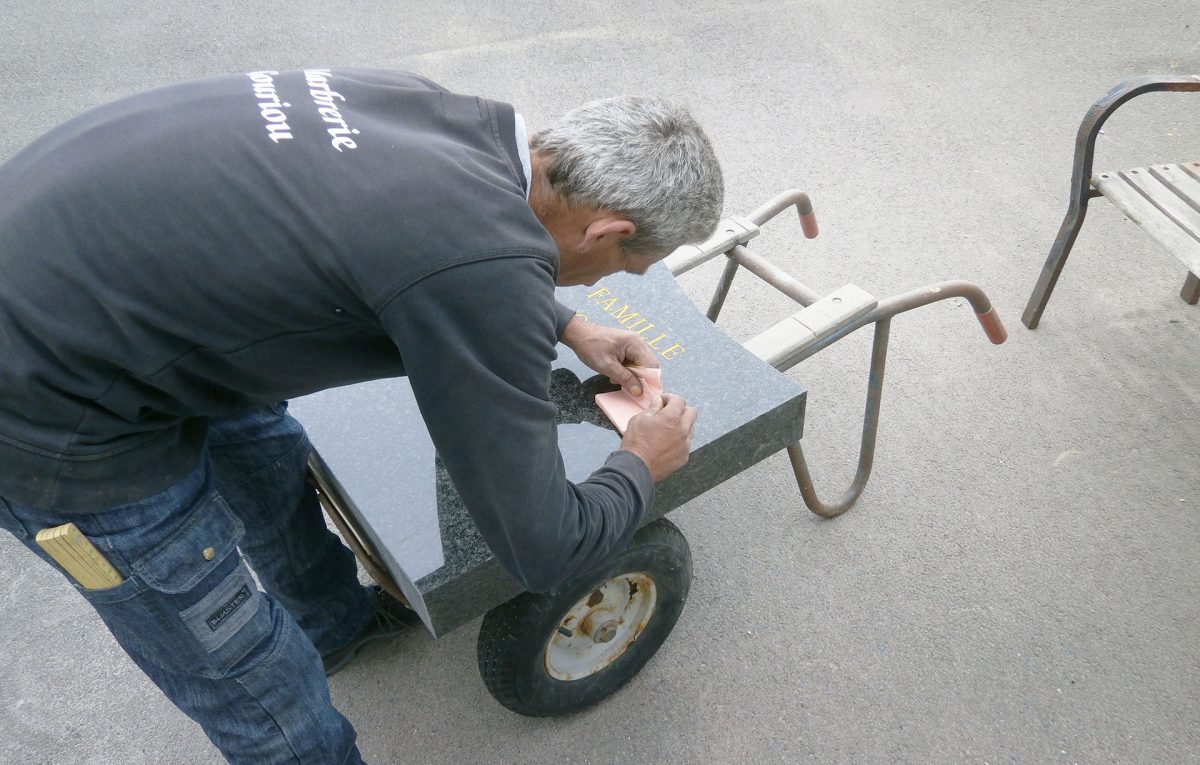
(662, 435)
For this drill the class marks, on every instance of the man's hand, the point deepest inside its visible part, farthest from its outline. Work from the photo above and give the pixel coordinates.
(610, 352)
(662, 435)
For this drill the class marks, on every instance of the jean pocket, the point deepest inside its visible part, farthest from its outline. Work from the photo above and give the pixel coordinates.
(107, 596)
(196, 576)
(225, 610)
(198, 547)
(25, 530)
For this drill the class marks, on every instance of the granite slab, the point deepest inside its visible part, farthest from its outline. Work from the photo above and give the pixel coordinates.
(371, 441)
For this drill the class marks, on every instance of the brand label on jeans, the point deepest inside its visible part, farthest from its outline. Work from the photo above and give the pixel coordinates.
(228, 608)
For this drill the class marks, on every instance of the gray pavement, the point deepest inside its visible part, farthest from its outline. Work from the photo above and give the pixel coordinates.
(1018, 584)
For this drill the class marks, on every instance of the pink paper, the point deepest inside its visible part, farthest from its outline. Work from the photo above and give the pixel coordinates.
(620, 407)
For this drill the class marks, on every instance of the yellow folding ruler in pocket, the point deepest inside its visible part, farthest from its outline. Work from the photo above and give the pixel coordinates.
(73, 551)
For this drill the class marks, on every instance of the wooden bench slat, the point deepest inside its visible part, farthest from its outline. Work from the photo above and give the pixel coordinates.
(1169, 232)
(1184, 180)
(1171, 201)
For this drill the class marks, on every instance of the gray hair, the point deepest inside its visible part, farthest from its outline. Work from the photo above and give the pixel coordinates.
(641, 157)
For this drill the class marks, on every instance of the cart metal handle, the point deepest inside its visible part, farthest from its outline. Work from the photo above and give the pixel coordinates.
(822, 322)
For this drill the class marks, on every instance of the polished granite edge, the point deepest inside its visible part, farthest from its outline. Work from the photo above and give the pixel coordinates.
(411, 590)
(475, 582)
(409, 510)
(721, 460)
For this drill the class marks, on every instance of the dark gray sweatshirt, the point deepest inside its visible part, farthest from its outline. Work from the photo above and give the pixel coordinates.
(215, 245)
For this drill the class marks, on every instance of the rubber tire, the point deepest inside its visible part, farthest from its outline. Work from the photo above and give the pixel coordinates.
(514, 636)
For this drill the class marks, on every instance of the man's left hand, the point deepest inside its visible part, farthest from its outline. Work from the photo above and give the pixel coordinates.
(610, 352)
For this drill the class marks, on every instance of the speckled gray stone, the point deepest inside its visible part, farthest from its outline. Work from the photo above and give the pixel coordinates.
(372, 440)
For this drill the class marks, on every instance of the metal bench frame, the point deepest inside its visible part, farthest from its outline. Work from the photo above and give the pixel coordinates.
(1085, 186)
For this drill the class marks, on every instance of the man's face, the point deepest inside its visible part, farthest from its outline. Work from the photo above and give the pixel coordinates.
(600, 261)
(589, 240)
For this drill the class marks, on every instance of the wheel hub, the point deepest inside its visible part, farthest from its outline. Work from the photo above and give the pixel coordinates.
(601, 627)
(605, 632)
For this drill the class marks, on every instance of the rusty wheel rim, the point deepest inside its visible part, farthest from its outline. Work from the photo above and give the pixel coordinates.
(601, 627)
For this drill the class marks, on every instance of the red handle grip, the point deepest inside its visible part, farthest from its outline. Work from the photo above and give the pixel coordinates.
(992, 326)
(808, 223)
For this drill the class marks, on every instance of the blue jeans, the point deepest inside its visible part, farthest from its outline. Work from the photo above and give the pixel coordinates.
(244, 664)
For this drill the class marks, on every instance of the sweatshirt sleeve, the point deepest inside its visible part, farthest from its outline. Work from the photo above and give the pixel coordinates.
(477, 341)
(562, 317)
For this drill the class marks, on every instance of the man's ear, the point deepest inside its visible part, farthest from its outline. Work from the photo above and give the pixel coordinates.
(607, 228)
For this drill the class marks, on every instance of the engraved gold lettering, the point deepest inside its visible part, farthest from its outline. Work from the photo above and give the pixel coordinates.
(635, 325)
(672, 352)
(623, 314)
(634, 321)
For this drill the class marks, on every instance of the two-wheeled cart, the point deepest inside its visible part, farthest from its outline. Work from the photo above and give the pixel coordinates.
(552, 653)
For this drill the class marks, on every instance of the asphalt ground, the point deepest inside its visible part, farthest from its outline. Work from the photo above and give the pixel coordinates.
(1018, 583)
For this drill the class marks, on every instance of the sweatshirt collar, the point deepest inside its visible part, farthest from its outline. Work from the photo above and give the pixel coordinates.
(523, 148)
